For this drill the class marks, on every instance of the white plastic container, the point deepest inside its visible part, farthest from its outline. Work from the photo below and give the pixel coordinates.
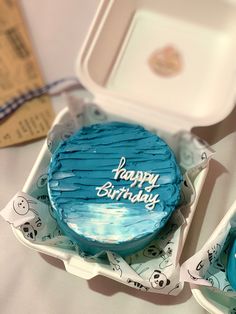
(73, 262)
(113, 63)
(211, 300)
(113, 66)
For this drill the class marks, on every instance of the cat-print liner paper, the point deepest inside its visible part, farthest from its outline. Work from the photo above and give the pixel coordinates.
(208, 266)
(154, 269)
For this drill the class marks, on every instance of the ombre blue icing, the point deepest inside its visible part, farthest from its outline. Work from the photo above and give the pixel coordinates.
(231, 265)
(113, 186)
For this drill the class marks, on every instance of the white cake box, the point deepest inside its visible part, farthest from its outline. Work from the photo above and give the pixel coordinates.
(214, 300)
(114, 66)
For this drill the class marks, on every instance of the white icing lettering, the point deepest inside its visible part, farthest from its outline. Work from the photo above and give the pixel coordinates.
(119, 169)
(138, 178)
(153, 201)
(122, 191)
(104, 189)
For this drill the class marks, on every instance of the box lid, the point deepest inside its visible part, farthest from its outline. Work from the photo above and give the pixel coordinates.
(168, 64)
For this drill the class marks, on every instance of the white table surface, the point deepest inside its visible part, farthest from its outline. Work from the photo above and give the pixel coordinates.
(30, 282)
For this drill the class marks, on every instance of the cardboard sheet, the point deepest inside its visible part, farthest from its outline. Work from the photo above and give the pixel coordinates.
(19, 72)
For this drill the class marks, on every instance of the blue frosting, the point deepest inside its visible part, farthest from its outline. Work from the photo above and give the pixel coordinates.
(231, 266)
(85, 161)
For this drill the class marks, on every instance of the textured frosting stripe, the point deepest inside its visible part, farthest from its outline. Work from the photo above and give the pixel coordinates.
(85, 162)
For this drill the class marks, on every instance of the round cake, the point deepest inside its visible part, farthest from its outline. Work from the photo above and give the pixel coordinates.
(113, 186)
(231, 265)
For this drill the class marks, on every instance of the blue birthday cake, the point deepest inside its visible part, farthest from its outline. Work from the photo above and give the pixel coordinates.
(113, 186)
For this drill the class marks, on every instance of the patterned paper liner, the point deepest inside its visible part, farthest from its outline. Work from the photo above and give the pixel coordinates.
(208, 266)
(154, 269)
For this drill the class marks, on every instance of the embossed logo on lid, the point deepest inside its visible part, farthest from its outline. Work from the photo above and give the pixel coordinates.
(166, 61)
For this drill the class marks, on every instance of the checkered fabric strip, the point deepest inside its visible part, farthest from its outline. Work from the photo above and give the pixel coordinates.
(13, 104)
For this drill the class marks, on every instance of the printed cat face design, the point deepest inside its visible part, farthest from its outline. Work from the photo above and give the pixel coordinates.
(21, 205)
(28, 231)
(42, 180)
(167, 255)
(159, 280)
(152, 251)
(213, 253)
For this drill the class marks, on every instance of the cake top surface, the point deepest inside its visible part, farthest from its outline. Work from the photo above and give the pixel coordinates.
(114, 182)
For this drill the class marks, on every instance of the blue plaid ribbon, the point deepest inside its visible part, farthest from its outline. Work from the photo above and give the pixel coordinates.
(13, 104)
